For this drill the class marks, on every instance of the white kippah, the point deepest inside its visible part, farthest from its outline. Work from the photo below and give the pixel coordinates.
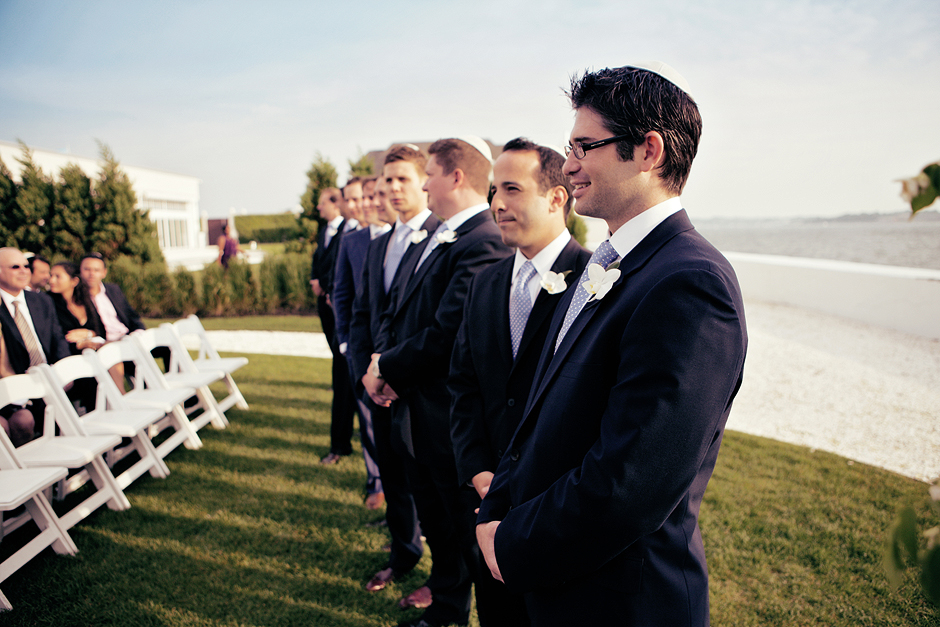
(479, 144)
(666, 71)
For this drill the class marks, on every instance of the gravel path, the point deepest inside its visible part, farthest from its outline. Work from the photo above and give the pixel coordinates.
(866, 393)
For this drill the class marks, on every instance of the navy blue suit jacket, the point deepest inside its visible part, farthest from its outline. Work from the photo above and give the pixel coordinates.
(125, 313)
(323, 264)
(599, 493)
(48, 332)
(418, 330)
(349, 262)
(371, 300)
(488, 387)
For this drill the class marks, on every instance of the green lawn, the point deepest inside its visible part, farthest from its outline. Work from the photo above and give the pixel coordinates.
(250, 530)
(308, 324)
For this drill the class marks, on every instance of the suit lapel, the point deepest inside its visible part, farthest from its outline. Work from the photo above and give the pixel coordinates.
(550, 363)
(10, 324)
(502, 284)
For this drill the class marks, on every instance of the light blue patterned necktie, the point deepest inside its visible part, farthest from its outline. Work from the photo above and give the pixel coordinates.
(604, 254)
(520, 305)
(400, 239)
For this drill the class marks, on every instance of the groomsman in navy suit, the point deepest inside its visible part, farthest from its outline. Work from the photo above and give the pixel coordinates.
(412, 360)
(336, 214)
(593, 512)
(506, 317)
(402, 202)
(349, 263)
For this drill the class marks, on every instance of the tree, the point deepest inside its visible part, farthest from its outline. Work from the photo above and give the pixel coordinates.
(361, 167)
(922, 190)
(322, 174)
(74, 214)
(119, 228)
(33, 208)
(7, 202)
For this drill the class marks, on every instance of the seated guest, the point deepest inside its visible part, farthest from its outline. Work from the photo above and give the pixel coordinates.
(31, 335)
(117, 316)
(78, 317)
(81, 325)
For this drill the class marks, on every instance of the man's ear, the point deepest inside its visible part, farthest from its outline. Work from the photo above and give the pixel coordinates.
(457, 177)
(651, 153)
(557, 197)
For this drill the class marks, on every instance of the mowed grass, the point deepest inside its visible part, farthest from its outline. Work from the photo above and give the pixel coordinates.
(303, 324)
(250, 530)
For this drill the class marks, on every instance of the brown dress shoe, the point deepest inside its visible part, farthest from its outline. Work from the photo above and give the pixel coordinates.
(420, 598)
(380, 580)
(375, 500)
(330, 459)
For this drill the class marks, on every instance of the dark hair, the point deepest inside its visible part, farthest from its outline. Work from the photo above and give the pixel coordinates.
(455, 153)
(80, 295)
(550, 164)
(404, 152)
(331, 193)
(97, 256)
(353, 181)
(634, 102)
(34, 259)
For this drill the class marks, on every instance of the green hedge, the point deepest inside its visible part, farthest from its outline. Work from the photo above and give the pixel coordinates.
(279, 227)
(278, 285)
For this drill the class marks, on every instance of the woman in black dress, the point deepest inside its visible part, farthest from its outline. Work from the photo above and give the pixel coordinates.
(76, 311)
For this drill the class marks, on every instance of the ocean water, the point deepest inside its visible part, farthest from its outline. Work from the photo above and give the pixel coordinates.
(902, 242)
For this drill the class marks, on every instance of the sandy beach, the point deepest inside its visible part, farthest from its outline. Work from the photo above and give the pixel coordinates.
(864, 392)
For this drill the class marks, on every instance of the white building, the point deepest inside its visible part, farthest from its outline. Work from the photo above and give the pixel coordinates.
(171, 199)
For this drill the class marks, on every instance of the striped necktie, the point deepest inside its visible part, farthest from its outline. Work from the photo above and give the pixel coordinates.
(36, 355)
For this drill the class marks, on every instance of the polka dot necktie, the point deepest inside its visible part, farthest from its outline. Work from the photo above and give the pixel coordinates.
(520, 304)
(604, 254)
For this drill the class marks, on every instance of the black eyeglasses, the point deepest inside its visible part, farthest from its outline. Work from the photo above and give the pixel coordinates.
(17, 266)
(579, 149)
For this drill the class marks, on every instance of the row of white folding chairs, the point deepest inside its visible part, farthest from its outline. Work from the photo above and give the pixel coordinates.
(155, 402)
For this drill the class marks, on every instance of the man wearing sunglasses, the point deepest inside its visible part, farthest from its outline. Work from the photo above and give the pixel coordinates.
(593, 511)
(31, 335)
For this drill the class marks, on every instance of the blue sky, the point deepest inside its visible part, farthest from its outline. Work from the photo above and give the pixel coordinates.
(810, 108)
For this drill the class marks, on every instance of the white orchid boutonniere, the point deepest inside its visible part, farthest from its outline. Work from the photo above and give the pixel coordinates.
(600, 280)
(419, 236)
(554, 282)
(446, 237)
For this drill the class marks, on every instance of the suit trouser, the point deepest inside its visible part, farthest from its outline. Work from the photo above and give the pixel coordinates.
(440, 501)
(400, 512)
(458, 561)
(366, 437)
(344, 401)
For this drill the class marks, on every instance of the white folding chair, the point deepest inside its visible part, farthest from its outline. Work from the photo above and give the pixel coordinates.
(176, 377)
(148, 393)
(208, 359)
(106, 418)
(26, 487)
(72, 449)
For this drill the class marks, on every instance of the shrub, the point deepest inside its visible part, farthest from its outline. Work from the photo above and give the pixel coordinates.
(242, 288)
(186, 293)
(279, 227)
(216, 295)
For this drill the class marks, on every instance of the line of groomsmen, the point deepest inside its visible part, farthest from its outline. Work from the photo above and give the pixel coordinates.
(442, 338)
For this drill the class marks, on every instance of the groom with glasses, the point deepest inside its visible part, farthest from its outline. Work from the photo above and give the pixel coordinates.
(593, 511)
